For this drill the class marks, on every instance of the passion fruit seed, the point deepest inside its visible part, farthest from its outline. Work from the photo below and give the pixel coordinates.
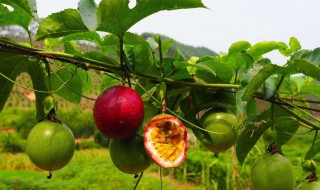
(165, 141)
(118, 112)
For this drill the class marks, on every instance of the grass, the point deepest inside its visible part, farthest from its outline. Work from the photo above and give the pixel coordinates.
(89, 169)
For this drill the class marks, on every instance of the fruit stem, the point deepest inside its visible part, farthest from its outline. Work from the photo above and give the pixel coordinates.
(135, 187)
(50, 175)
(312, 177)
(52, 116)
(273, 149)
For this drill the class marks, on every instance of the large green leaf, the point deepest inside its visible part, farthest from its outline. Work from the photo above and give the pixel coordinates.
(12, 65)
(141, 50)
(313, 151)
(192, 68)
(30, 6)
(116, 17)
(261, 48)
(61, 24)
(88, 10)
(311, 89)
(285, 127)
(314, 57)
(306, 68)
(17, 17)
(251, 134)
(67, 84)
(88, 36)
(253, 80)
(238, 47)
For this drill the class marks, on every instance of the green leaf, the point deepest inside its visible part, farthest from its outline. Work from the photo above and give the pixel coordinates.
(166, 46)
(306, 68)
(311, 89)
(29, 6)
(109, 81)
(314, 57)
(115, 16)
(313, 151)
(12, 65)
(51, 26)
(192, 68)
(17, 17)
(285, 127)
(71, 83)
(88, 10)
(261, 48)
(88, 36)
(239, 47)
(253, 80)
(294, 45)
(141, 49)
(251, 134)
(270, 87)
(236, 61)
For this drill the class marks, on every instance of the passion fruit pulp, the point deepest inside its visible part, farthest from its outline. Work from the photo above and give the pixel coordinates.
(50, 145)
(165, 140)
(224, 127)
(272, 172)
(129, 155)
(118, 112)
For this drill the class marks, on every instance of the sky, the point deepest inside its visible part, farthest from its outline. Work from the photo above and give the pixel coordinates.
(227, 21)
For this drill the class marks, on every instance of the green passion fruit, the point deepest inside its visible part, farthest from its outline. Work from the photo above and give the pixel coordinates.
(129, 155)
(118, 112)
(50, 145)
(224, 125)
(165, 140)
(309, 166)
(272, 172)
(314, 185)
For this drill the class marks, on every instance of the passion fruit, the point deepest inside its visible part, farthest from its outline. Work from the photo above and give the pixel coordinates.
(314, 185)
(272, 172)
(165, 140)
(50, 145)
(129, 155)
(224, 127)
(118, 112)
(309, 166)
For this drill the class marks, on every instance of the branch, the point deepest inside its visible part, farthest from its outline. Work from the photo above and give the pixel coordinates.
(86, 63)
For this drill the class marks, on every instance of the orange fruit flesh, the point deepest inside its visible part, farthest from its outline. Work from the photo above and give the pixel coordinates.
(167, 140)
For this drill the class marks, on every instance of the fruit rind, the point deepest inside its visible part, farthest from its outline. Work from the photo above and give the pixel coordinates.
(50, 145)
(225, 125)
(128, 155)
(315, 185)
(151, 149)
(118, 112)
(272, 172)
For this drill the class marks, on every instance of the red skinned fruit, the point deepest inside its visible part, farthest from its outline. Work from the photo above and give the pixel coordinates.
(165, 140)
(118, 112)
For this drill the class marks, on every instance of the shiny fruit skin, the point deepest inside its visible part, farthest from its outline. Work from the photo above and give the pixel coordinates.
(315, 185)
(128, 155)
(150, 149)
(50, 145)
(272, 172)
(118, 112)
(221, 122)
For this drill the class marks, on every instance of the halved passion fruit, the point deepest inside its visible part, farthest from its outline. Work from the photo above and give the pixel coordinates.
(165, 140)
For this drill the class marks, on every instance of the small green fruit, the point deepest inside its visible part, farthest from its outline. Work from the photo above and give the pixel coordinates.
(50, 145)
(128, 155)
(225, 125)
(309, 166)
(272, 172)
